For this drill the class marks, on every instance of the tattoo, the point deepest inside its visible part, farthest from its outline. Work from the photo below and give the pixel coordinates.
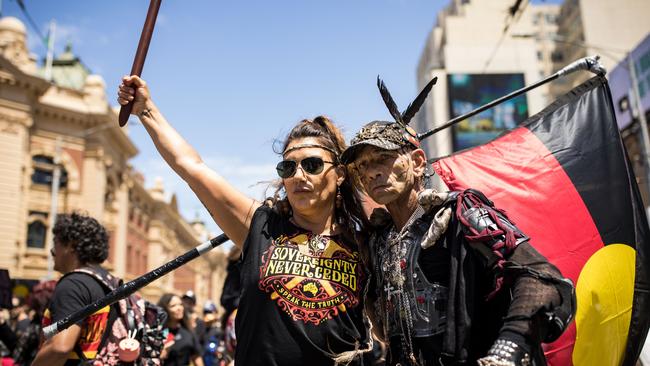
(146, 112)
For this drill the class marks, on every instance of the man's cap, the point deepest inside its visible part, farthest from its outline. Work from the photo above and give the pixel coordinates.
(189, 295)
(382, 134)
(389, 135)
(209, 307)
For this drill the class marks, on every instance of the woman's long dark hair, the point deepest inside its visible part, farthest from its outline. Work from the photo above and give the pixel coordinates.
(349, 213)
(164, 303)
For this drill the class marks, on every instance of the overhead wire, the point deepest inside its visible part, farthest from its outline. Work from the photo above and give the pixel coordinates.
(514, 12)
(32, 23)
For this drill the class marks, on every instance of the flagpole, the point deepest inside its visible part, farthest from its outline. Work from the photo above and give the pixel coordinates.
(585, 63)
(50, 51)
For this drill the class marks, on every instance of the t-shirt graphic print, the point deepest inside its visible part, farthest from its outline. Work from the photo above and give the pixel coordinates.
(310, 277)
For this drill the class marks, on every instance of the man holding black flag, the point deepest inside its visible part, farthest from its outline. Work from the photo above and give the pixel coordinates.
(454, 281)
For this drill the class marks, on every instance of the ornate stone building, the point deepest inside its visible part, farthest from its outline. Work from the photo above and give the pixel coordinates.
(70, 121)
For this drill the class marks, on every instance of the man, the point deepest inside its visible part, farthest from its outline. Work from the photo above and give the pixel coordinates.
(454, 281)
(210, 333)
(189, 303)
(79, 242)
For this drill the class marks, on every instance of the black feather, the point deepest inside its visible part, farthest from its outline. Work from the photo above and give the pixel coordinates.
(388, 100)
(414, 107)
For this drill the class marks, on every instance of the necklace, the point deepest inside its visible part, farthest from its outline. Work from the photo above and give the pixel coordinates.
(394, 266)
(316, 243)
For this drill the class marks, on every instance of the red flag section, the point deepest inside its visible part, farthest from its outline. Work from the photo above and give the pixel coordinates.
(564, 179)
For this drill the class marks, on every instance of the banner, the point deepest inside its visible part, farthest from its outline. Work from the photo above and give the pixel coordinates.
(564, 178)
(470, 91)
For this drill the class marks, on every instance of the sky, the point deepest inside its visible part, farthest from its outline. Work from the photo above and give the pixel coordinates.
(235, 76)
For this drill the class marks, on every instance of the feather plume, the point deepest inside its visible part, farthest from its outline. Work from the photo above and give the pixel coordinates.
(388, 100)
(414, 107)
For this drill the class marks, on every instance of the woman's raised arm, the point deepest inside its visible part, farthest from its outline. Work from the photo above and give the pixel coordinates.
(230, 209)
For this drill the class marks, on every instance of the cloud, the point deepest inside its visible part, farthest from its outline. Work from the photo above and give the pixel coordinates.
(68, 33)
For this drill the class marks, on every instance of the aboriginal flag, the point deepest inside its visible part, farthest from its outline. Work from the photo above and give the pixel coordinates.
(564, 178)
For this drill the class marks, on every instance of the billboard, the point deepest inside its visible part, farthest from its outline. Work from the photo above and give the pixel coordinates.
(620, 83)
(470, 91)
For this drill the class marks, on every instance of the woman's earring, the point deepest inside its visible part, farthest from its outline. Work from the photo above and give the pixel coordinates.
(339, 197)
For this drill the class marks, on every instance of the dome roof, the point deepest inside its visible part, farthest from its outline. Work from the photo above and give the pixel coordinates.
(12, 24)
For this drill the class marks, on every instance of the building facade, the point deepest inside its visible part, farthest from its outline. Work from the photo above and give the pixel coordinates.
(480, 40)
(69, 123)
(610, 29)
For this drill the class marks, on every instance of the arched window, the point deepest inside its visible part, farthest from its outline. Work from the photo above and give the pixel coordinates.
(36, 235)
(44, 170)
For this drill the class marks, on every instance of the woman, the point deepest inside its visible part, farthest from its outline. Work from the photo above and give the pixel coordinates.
(301, 273)
(182, 345)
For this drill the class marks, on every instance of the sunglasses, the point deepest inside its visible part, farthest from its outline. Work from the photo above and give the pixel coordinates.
(312, 165)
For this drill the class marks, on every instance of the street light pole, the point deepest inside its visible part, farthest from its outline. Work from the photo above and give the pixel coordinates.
(56, 181)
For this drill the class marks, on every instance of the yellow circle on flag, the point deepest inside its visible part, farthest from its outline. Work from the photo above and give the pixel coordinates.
(604, 292)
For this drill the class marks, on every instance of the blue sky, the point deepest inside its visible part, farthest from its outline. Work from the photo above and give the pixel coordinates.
(232, 76)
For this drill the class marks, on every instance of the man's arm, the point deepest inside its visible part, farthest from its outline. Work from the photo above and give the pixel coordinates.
(541, 308)
(539, 292)
(55, 351)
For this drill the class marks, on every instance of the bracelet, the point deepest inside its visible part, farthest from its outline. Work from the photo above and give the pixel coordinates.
(505, 353)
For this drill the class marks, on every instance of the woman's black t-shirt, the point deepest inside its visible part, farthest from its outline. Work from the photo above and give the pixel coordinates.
(186, 346)
(301, 301)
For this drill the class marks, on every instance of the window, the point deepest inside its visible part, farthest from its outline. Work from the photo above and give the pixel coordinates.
(36, 235)
(551, 19)
(44, 171)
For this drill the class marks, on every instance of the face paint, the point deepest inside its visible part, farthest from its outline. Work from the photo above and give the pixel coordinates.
(385, 175)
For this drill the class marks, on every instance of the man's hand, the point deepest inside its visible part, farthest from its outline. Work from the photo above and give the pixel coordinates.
(438, 226)
(429, 198)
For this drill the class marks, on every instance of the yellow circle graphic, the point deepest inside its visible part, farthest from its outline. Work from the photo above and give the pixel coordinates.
(604, 291)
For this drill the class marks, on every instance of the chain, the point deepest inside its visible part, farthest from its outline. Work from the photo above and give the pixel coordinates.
(394, 252)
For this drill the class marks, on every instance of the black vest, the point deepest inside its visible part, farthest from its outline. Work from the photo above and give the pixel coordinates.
(424, 303)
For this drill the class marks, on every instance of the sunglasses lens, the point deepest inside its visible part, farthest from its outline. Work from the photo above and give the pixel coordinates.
(286, 168)
(312, 165)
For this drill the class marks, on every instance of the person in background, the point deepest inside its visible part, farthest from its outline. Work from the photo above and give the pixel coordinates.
(20, 318)
(189, 303)
(182, 345)
(210, 334)
(80, 242)
(7, 337)
(231, 289)
(29, 340)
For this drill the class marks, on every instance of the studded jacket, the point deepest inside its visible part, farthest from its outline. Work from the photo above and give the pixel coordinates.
(445, 289)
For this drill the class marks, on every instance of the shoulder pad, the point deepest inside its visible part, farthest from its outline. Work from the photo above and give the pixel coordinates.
(487, 227)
